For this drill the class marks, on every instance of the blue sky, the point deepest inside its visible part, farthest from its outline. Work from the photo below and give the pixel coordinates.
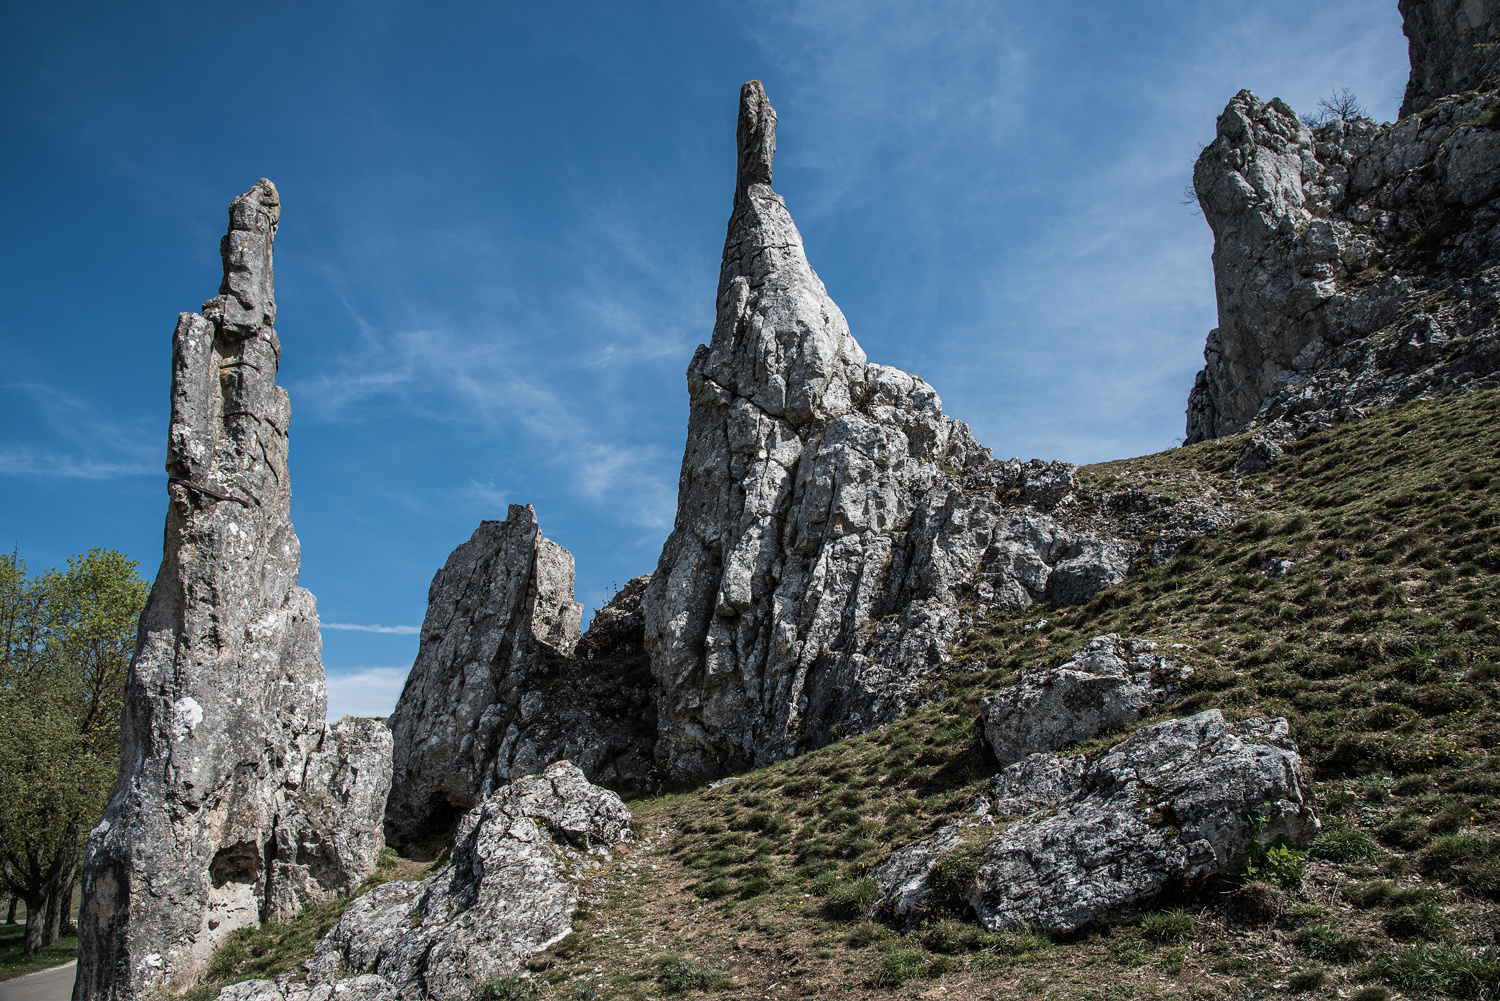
(501, 233)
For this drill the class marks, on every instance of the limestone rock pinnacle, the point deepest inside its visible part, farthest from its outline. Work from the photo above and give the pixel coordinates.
(756, 138)
(236, 803)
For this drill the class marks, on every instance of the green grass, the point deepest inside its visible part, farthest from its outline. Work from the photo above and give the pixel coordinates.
(13, 961)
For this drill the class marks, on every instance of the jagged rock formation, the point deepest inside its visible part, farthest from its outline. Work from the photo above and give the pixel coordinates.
(506, 894)
(236, 803)
(495, 692)
(831, 519)
(1452, 45)
(1169, 806)
(1356, 264)
(1107, 685)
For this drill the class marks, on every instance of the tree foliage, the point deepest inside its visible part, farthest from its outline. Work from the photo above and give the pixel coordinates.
(1341, 105)
(66, 639)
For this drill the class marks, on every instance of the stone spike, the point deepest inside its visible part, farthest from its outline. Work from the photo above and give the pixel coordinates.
(755, 137)
(236, 802)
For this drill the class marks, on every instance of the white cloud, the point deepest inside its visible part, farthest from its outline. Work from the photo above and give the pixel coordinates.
(366, 691)
(394, 630)
(84, 446)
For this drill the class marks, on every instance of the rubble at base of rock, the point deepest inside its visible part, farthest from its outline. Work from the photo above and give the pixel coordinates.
(505, 895)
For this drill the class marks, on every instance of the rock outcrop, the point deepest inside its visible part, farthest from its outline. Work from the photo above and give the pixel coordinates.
(1108, 685)
(506, 894)
(496, 692)
(236, 803)
(1164, 809)
(1355, 264)
(835, 530)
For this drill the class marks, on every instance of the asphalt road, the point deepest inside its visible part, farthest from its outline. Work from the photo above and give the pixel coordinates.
(55, 984)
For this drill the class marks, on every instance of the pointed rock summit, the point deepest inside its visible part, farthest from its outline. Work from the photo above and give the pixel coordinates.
(236, 803)
(830, 518)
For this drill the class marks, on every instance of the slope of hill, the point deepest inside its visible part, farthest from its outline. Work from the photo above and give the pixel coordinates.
(1356, 598)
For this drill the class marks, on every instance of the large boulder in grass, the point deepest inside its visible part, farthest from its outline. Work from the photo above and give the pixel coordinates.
(1168, 807)
(507, 894)
(1108, 685)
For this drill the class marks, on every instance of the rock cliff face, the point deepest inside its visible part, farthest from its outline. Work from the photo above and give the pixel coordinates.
(496, 693)
(834, 528)
(236, 803)
(506, 894)
(1356, 264)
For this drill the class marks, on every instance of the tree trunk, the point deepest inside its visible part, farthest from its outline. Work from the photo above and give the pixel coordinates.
(69, 926)
(36, 915)
(15, 901)
(54, 910)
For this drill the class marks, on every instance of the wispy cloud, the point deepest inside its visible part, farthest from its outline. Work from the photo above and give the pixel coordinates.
(394, 630)
(365, 691)
(76, 442)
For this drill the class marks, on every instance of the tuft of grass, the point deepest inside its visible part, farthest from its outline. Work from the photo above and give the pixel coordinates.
(1342, 844)
(850, 901)
(1468, 974)
(509, 988)
(1424, 921)
(1175, 925)
(896, 968)
(677, 975)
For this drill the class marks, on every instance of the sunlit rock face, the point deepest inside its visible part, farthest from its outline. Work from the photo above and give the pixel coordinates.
(236, 803)
(835, 530)
(1356, 264)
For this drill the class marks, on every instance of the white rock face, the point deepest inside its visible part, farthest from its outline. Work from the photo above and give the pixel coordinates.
(236, 803)
(1108, 685)
(831, 519)
(497, 691)
(1356, 265)
(506, 894)
(1169, 806)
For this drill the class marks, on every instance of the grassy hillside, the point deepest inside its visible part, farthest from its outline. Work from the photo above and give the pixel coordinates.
(1378, 643)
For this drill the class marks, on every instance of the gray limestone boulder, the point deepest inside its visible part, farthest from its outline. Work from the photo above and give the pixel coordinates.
(506, 894)
(236, 802)
(1166, 808)
(365, 987)
(1356, 265)
(1108, 685)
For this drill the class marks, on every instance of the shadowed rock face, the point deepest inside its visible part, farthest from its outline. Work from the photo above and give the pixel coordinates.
(236, 803)
(830, 518)
(1452, 47)
(503, 685)
(1356, 264)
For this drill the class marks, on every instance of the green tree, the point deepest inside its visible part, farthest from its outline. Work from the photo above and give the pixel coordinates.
(67, 641)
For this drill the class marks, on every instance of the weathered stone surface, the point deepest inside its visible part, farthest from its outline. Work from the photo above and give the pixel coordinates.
(1355, 263)
(506, 894)
(620, 626)
(365, 987)
(496, 691)
(1108, 685)
(831, 519)
(236, 803)
(1037, 782)
(1452, 48)
(1165, 808)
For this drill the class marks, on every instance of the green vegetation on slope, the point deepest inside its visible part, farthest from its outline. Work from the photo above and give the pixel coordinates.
(1378, 643)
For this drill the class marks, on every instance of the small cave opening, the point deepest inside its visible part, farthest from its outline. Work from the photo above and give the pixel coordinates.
(236, 863)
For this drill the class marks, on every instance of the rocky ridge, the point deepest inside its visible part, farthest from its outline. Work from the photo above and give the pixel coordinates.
(236, 802)
(1355, 264)
(836, 531)
(497, 692)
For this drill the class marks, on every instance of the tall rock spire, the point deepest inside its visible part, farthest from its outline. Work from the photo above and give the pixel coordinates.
(829, 516)
(236, 803)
